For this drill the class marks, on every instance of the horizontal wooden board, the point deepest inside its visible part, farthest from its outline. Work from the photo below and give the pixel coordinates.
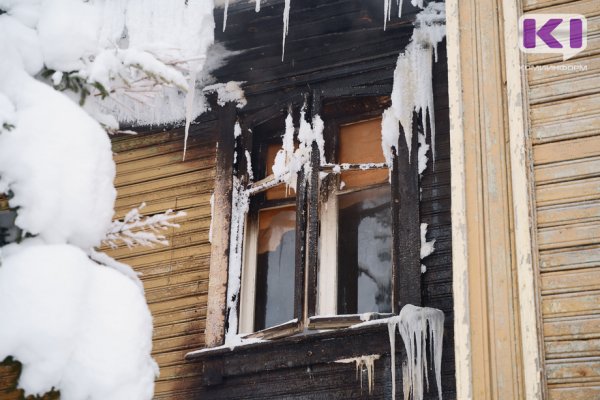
(137, 149)
(566, 150)
(571, 304)
(582, 168)
(537, 4)
(147, 188)
(570, 392)
(570, 281)
(573, 370)
(178, 304)
(565, 118)
(573, 78)
(142, 172)
(193, 326)
(587, 233)
(182, 315)
(176, 291)
(568, 214)
(565, 349)
(572, 328)
(568, 192)
(586, 257)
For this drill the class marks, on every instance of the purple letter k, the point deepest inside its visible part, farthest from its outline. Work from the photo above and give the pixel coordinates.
(545, 33)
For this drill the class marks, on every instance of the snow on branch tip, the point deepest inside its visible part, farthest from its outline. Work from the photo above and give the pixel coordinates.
(135, 229)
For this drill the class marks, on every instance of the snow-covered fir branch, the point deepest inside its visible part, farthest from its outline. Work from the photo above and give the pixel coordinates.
(136, 229)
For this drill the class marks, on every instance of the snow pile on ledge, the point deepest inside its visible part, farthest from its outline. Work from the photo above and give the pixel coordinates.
(413, 83)
(75, 326)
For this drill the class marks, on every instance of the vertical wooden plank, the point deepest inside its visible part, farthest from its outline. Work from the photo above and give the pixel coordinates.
(407, 232)
(313, 231)
(219, 256)
(300, 262)
(313, 216)
(488, 351)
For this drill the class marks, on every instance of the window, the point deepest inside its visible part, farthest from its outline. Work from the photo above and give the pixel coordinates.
(321, 255)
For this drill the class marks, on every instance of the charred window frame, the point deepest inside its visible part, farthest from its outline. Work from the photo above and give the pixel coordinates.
(336, 107)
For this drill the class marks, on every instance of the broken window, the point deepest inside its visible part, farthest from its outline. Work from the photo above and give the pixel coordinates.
(319, 242)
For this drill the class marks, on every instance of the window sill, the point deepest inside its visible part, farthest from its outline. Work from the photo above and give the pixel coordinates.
(303, 350)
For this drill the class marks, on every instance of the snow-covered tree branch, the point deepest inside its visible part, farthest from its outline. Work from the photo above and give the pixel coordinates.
(139, 230)
(71, 70)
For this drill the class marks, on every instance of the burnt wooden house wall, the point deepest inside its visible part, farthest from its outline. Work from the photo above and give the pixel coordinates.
(333, 47)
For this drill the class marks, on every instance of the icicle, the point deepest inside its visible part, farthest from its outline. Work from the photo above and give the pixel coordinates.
(387, 6)
(189, 105)
(413, 81)
(286, 23)
(392, 334)
(414, 324)
(417, 3)
(257, 7)
(237, 130)
(400, 8)
(225, 14)
(239, 208)
(366, 362)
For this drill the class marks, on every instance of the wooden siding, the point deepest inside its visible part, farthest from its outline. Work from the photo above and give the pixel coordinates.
(565, 130)
(150, 169)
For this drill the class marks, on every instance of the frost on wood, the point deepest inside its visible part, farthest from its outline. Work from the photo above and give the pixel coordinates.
(413, 83)
(289, 160)
(249, 166)
(228, 92)
(427, 248)
(75, 326)
(416, 325)
(239, 209)
(363, 363)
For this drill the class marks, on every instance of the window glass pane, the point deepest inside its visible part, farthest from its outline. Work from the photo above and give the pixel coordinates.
(8, 230)
(365, 251)
(281, 191)
(275, 267)
(360, 143)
